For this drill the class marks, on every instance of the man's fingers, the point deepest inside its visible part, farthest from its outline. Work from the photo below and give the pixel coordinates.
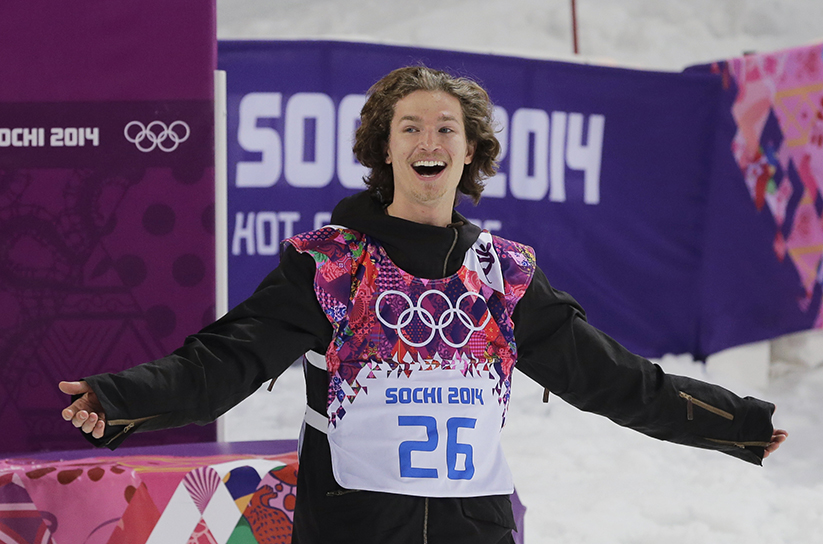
(85, 413)
(778, 437)
(75, 412)
(79, 418)
(89, 424)
(99, 429)
(74, 388)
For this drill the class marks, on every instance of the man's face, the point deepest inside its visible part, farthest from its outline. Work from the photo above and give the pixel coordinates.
(427, 149)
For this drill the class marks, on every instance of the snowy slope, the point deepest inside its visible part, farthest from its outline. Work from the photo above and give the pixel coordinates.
(653, 34)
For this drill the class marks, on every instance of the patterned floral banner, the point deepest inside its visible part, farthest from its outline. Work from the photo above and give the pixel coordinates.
(779, 147)
(207, 493)
(147, 499)
(764, 243)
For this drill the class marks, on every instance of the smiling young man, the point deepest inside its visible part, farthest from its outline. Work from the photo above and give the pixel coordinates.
(427, 152)
(413, 320)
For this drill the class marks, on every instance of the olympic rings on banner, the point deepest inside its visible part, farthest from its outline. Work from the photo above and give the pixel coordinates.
(438, 326)
(156, 134)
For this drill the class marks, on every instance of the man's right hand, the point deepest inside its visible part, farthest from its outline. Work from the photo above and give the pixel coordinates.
(86, 413)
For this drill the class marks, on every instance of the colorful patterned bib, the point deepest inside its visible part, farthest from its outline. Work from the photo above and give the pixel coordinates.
(419, 370)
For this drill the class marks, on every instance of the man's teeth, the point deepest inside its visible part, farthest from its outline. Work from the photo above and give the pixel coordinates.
(429, 163)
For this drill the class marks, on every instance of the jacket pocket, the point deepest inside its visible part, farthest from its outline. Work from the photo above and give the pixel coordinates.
(496, 509)
(358, 516)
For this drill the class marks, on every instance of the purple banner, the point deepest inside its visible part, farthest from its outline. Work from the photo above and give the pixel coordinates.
(763, 262)
(102, 51)
(106, 200)
(604, 171)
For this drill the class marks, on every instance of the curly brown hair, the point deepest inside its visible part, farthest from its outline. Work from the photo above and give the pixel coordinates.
(372, 137)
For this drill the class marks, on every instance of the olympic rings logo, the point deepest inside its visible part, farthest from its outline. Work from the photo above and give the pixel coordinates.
(438, 326)
(156, 135)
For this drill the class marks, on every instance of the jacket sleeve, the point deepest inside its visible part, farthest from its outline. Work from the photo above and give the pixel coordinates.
(561, 351)
(222, 364)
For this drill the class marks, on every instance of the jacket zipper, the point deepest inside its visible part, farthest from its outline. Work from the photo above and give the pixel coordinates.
(341, 492)
(449, 253)
(741, 445)
(426, 521)
(691, 402)
(129, 425)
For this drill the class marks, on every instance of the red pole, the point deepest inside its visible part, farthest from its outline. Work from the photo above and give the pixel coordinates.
(574, 27)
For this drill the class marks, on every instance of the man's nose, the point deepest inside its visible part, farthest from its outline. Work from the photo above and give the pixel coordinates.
(429, 140)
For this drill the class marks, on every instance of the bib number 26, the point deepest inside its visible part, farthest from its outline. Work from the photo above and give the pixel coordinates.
(455, 451)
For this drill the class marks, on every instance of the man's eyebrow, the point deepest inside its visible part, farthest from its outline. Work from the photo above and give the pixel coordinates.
(417, 119)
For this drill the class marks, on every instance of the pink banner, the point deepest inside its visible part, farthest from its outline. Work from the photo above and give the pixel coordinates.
(779, 114)
(763, 256)
(144, 499)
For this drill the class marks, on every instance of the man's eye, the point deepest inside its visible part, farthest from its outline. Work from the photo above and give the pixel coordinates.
(446, 130)
(410, 129)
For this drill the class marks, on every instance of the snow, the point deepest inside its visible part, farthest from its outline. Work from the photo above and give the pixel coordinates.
(582, 478)
(652, 34)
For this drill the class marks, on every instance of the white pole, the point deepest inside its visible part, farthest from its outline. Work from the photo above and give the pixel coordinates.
(221, 194)
(221, 269)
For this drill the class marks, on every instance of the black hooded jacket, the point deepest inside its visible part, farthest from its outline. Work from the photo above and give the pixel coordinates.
(257, 340)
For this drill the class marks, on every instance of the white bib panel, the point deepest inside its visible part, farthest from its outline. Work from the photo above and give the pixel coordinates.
(432, 433)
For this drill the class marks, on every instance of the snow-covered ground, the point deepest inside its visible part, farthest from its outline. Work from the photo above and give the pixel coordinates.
(582, 478)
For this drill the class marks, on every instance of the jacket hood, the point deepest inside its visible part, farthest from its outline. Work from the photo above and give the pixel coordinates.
(422, 250)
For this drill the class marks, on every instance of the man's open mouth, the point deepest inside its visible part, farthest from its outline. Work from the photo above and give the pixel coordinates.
(429, 168)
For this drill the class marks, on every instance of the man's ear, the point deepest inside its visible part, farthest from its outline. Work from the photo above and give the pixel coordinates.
(470, 148)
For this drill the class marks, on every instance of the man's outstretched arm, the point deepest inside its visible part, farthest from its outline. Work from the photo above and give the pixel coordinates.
(558, 349)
